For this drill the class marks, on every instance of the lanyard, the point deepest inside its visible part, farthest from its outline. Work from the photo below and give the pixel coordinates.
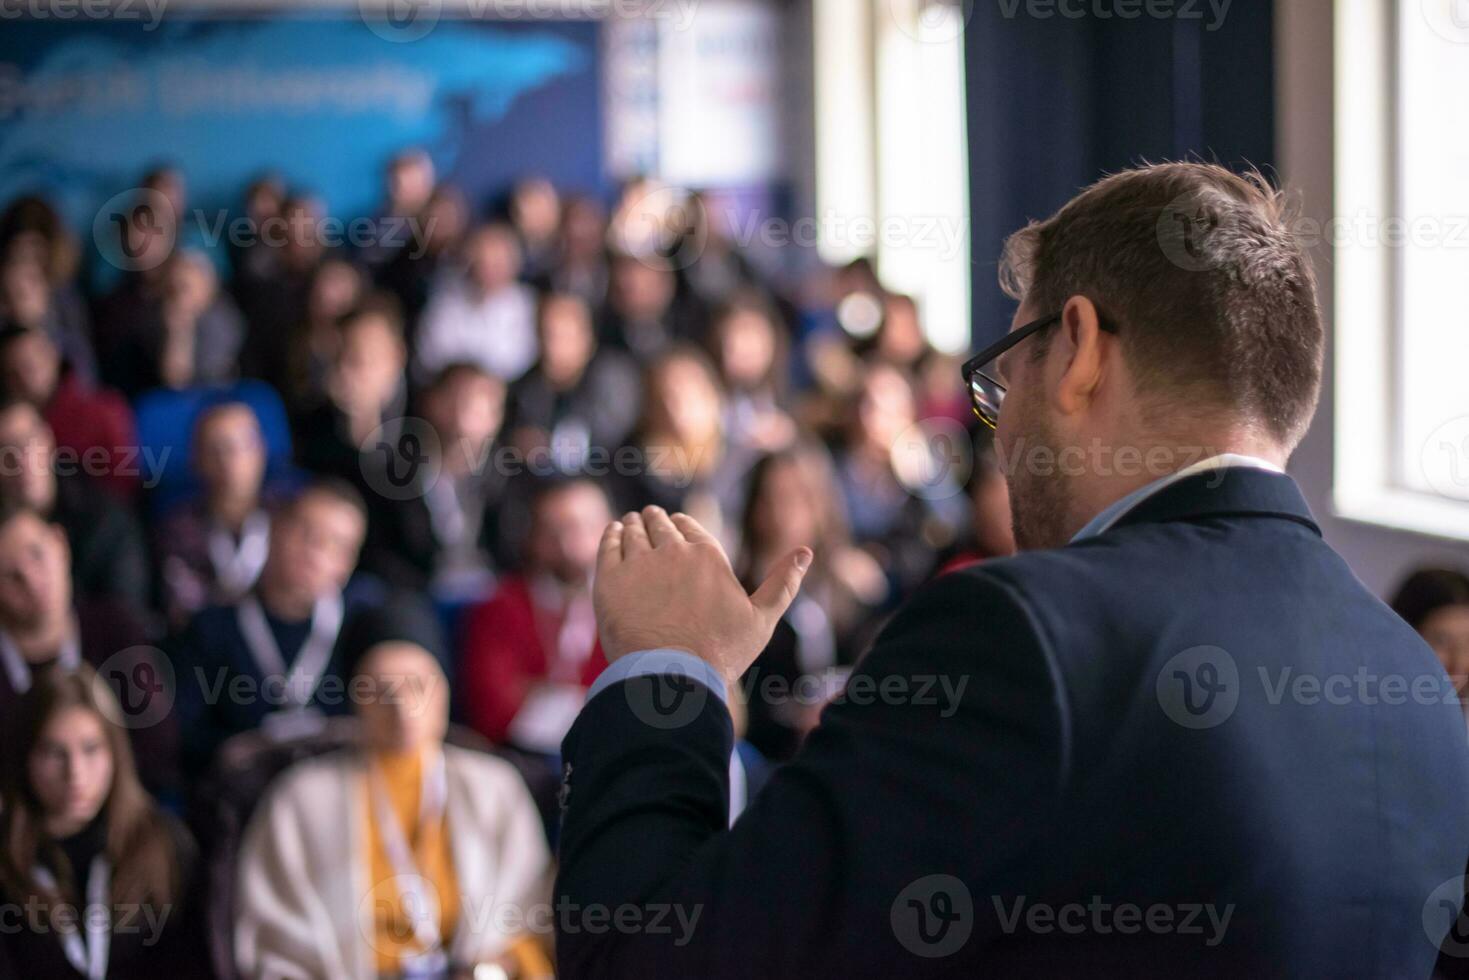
(19, 671)
(421, 907)
(90, 959)
(306, 669)
(236, 567)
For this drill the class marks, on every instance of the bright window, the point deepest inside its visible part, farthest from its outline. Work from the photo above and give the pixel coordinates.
(1401, 238)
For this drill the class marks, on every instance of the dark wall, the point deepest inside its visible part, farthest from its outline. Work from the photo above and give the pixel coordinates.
(1056, 102)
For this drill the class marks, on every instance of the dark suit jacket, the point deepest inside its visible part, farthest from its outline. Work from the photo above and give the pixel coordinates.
(1190, 746)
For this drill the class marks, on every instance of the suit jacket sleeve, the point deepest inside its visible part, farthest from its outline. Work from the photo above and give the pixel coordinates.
(943, 757)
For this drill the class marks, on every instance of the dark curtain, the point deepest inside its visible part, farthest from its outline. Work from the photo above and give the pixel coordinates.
(1056, 102)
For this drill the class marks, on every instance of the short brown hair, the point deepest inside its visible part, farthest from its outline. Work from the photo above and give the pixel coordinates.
(1214, 298)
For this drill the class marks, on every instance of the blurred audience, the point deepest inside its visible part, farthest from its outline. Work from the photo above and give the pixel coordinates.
(464, 404)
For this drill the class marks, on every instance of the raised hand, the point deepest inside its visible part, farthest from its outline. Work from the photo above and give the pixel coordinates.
(665, 582)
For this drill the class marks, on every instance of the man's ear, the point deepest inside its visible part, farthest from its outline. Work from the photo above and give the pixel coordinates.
(1081, 350)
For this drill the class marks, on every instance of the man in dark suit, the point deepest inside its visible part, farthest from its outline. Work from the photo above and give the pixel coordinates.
(1173, 737)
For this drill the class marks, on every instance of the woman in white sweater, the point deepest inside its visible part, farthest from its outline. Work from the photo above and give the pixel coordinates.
(403, 857)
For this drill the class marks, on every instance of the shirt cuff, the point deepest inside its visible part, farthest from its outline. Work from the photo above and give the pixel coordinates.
(679, 663)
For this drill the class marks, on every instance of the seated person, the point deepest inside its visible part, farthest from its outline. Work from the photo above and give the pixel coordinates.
(576, 396)
(444, 538)
(268, 660)
(750, 349)
(484, 315)
(901, 495)
(84, 417)
(793, 502)
(43, 631)
(38, 292)
(530, 652)
(1435, 602)
(189, 335)
(398, 857)
(211, 549)
(337, 288)
(79, 830)
(367, 393)
(644, 313)
(108, 557)
(686, 461)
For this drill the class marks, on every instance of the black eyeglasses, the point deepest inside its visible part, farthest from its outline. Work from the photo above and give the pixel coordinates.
(981, 373)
